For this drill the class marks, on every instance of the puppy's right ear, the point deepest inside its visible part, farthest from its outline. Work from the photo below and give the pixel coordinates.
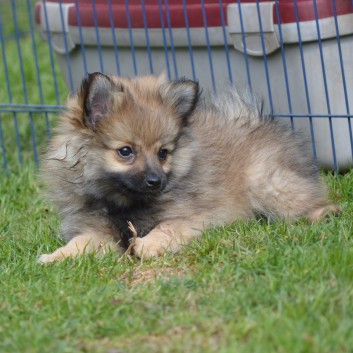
(99, 96)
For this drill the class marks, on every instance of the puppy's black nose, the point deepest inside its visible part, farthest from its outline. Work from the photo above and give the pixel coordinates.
(153, 181)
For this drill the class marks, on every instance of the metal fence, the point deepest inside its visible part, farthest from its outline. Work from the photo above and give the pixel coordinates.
(298, 55)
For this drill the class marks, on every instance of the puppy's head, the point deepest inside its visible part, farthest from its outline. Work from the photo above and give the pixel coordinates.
(134, 128)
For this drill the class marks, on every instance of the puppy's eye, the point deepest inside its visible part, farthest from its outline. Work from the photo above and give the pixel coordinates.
(162, 154)
(125, 152)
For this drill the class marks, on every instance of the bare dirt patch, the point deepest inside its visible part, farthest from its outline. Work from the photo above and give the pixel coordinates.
(138, 276)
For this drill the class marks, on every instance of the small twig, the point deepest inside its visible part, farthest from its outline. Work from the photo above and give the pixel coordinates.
(133, 241)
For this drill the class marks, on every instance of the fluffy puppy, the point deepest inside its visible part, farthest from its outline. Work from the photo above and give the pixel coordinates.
(151, 152)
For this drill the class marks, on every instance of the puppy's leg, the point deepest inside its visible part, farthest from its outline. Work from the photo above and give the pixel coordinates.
(285, 193)
(80, 244)
(168, 236)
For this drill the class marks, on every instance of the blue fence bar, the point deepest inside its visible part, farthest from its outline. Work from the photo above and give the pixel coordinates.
(51, 52)
(312, 133)
(208, 45)
(284, 63)
(3, 148)
(96, 28)
(338, 36)
(165, 45)
(82, 43)
(294, 54)
(132, 46)
(243, 42)
(67, 56)
(30, 108)
(35, 55)
(264, 56)
(325, 85)
(189, 40)
(225, 41)
(9, 96)
(145, 24)
(171, 40)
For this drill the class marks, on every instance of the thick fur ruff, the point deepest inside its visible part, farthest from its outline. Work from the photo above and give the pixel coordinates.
(157, 154)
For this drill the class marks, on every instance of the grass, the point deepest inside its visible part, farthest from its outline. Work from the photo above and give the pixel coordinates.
(251, 287)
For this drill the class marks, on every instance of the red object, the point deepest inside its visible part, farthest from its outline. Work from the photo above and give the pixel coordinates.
(122, 13)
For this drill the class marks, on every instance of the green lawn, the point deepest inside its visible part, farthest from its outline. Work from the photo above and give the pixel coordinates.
(251, 287)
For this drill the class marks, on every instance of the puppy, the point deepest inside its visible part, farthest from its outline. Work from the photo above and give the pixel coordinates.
(152, 152)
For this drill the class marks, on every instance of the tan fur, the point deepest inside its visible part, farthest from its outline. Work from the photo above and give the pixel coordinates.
(323, 212)
(79, 245)
(225, 162)
(169, 236)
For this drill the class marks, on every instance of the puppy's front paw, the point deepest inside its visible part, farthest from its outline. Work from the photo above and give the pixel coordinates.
(148, 248)
(50, 258)
(154, 244)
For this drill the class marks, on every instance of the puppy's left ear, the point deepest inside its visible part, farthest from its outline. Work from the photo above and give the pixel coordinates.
(182, 96)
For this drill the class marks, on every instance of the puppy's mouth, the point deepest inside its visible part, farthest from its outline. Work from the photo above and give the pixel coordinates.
(138, 187)
(139, 191)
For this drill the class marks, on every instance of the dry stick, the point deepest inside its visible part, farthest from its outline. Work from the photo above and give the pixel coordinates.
(133, 241)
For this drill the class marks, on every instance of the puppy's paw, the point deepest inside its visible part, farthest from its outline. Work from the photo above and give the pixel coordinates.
(147, 248)
(79, 245)
(324, 212)
(154, 244)
(60, 254)
(50, 258)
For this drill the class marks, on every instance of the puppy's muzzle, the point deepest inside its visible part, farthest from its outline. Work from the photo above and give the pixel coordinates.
(154, 182)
